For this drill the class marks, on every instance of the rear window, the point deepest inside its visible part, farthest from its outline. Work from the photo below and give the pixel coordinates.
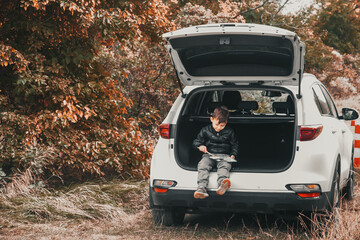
(242, 102)
(235, 55)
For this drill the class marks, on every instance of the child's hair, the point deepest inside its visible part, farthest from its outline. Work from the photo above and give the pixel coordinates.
(221, 113)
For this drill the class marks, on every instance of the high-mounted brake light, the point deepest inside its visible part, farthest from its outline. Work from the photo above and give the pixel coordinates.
(164, 131)
(308, 133)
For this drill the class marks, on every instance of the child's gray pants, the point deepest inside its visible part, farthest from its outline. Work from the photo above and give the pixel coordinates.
(206, 164)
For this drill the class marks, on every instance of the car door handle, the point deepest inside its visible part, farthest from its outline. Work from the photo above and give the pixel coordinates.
(334, 131)
(343, 131)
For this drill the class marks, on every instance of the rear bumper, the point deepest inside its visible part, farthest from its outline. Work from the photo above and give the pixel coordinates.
(239, 201)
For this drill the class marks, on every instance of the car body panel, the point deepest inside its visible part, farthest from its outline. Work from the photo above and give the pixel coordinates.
(314, 162)
(309, 166)
(264, 202)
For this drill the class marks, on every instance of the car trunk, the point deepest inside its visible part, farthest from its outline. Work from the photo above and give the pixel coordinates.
(236, 53)
(266, 140)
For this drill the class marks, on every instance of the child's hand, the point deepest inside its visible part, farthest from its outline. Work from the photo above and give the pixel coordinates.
(203, 148)
(232, 156)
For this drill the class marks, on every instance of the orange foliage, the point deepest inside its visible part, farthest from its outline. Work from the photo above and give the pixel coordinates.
(10, 56)
(61, 110)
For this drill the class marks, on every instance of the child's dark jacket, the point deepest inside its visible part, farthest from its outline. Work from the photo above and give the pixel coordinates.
(223, 142)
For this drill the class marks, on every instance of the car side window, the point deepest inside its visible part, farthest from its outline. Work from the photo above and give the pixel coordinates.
(316, 100)
(329, 101)
(321, 101)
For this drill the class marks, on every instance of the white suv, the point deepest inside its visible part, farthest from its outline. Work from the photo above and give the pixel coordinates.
(295, 151)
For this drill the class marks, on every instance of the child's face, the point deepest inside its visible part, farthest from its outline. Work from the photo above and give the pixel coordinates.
(216, 125)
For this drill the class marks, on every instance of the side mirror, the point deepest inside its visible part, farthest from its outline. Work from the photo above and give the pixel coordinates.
(349, 114)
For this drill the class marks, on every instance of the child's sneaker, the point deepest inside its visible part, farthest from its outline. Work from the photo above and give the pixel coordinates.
(201, 193)
(225, 185)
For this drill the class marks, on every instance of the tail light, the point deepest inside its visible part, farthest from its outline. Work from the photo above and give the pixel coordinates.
(305, 190)
(164, 131)
(308, 133)
(309, 195)
(161, 186)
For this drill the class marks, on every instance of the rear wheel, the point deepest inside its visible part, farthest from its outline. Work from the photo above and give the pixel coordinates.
(348, 191)
(335, 191)
(168, 216)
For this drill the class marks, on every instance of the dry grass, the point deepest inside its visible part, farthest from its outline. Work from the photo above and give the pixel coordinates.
(21, 184)
(118, 210)
(343, 223)
(107, 210)
(81, 211)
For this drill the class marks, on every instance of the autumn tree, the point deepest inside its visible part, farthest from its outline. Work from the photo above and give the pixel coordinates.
(331, 54)
(61, 111)
(339, 21)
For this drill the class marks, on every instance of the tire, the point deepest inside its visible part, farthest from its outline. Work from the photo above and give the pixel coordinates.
(151, 203)
(168, 216)
(335, 194)
(348, 191)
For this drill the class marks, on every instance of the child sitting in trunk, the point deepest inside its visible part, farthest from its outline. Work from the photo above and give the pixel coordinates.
(215, 139)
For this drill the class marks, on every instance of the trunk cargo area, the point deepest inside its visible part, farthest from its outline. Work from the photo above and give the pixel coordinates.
(266, 141)
(262, 146)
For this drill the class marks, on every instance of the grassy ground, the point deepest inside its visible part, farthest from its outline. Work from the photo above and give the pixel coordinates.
(119, 210)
